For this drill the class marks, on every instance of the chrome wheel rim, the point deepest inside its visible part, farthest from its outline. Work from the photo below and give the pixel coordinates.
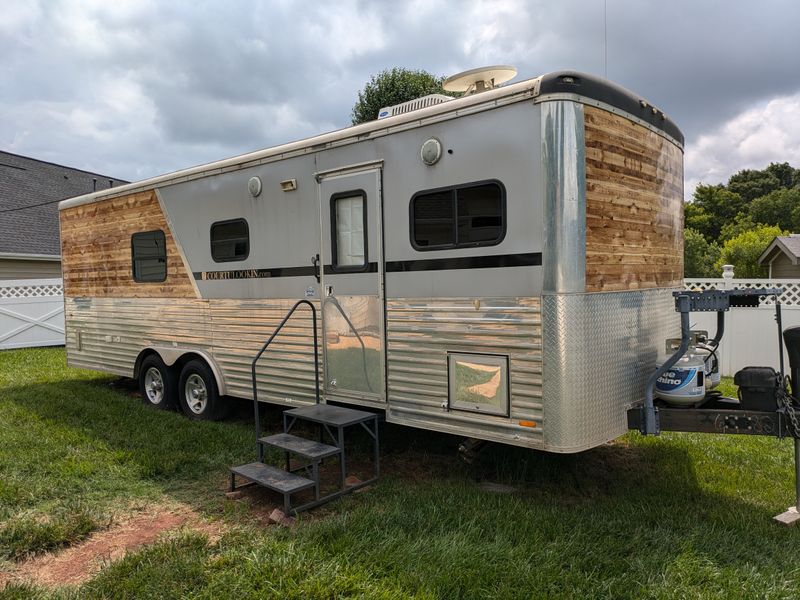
(196, 394)
(154, 386)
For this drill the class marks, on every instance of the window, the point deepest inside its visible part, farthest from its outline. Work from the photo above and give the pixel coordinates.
(230, 240)
(478, 382)
(149, 256)
(459, 217)
(349, 225)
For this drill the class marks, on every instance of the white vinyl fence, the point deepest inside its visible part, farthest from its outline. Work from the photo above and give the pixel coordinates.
(751, 334)
(31, 313)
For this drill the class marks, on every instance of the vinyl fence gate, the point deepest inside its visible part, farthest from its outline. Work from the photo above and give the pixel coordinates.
(31, 313)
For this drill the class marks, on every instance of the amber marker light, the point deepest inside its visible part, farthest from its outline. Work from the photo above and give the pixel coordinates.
(528, 423)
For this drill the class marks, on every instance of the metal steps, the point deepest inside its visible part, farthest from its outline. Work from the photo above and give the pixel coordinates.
(332, 421)
(300, 446)
(327, 414)
(273, 478)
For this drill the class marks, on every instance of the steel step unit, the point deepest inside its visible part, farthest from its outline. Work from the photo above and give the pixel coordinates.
(331, 420)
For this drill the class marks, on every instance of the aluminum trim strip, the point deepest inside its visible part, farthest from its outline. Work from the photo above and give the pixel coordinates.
(564, 171)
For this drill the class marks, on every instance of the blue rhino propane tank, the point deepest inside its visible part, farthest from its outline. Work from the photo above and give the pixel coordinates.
(710, 352)
(684, 384)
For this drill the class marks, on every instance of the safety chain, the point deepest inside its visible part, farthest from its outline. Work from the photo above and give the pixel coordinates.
(788, 402)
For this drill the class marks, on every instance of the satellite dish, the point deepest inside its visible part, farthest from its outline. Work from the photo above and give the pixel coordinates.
(479, 80)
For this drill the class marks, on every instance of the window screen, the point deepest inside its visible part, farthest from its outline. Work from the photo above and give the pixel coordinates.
(463, 216)
(230, 240)
(349, 231)
(149, 254)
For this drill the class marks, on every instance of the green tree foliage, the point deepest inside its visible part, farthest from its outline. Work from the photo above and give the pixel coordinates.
(742, 223)
(751, 184)
(784, 172)
(779, 207)
(393, 86)
(713, 207)
(699, 256)
(743, 251)
(751, 198)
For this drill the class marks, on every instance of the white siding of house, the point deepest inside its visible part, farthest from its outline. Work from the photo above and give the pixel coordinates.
(11, 268)
(782, 268)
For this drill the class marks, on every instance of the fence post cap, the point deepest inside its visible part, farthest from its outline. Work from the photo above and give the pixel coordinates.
(727, 271)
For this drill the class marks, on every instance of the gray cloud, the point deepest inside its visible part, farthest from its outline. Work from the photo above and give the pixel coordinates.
(137, 88)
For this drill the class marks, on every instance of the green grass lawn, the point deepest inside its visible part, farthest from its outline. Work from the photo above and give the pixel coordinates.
(674, 516)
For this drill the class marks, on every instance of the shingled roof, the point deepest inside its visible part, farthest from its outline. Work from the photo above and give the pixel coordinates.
(29, 193)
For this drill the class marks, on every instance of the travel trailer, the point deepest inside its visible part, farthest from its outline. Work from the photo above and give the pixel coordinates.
(498, 266)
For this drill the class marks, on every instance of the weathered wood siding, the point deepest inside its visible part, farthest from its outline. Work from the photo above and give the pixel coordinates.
(96, 249)
(634, 205)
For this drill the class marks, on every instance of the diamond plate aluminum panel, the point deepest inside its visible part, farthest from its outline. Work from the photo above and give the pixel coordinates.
(598, 350)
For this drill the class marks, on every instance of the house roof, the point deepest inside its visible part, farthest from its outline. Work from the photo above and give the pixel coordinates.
(30, 190)
(788, 244)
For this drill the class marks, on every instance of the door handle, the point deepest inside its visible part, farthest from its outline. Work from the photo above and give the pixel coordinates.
(315, 262)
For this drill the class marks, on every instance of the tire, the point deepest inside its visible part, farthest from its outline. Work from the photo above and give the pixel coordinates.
(158, 384)
(198, 395)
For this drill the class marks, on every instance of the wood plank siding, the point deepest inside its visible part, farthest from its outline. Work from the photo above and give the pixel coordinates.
(634, 205)
(96, 249)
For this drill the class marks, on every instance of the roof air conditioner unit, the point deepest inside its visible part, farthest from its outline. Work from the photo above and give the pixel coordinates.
(416, 104)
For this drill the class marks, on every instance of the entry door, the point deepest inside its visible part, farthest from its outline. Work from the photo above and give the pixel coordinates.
(352, 285)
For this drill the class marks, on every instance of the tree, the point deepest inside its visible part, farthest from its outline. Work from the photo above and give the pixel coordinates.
(712, 208)
(777, 208)
(739, 225)
(784, 172)
(699, 256)
(751, 184)
(393, 86)
(743, 251)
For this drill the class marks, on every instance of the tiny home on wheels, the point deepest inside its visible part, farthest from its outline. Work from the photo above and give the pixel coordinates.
(498, 266)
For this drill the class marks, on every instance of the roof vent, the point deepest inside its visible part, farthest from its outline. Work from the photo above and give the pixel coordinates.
(416, 104)
(479, 80)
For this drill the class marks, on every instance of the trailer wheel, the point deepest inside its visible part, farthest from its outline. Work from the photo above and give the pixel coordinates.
(158, 383)
(198, 394)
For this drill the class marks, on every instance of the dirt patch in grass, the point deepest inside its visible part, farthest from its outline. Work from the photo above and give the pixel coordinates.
(79, 563)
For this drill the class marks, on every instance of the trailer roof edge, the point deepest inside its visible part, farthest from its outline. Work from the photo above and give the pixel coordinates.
(556, 83)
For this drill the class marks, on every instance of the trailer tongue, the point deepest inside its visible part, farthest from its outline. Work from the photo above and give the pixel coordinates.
(764, 406)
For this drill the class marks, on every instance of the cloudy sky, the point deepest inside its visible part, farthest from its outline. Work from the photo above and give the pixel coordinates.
(135, 88)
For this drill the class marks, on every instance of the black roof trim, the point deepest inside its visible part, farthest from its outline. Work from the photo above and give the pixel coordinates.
(597, 88)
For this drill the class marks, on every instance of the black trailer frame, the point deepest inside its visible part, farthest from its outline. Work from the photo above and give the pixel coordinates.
(718, 414)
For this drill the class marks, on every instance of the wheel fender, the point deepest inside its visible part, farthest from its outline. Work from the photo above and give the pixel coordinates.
(170, 355)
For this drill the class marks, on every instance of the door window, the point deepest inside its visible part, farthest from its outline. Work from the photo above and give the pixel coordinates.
(349, 218)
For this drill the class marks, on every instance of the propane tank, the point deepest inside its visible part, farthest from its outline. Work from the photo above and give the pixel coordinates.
(710, 352)
(683, 384)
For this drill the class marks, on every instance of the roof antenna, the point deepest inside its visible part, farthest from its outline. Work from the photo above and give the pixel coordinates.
(605, 39)
(479, 80)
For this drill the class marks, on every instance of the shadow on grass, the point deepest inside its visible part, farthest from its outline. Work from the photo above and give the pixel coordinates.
(604, 508)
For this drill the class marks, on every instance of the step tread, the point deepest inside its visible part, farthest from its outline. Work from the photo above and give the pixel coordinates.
(338, 416)
(300, 446)
(273, 477)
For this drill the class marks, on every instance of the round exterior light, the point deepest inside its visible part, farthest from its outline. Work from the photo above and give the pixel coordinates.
(431, 151)
(254, 186)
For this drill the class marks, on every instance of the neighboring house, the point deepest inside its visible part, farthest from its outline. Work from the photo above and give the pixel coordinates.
(782, 256)
(29, 193)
